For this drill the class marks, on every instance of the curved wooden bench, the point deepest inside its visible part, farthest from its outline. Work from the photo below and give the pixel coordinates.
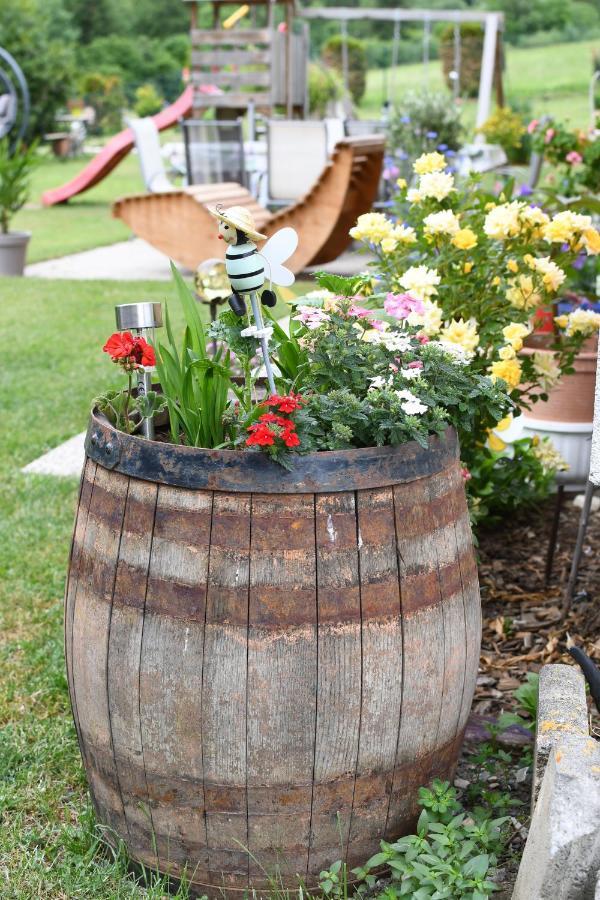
(178, 222)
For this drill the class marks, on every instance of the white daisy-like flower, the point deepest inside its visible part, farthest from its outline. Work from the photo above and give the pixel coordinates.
(378, 383)
(409, 374)
(456, 351)
(411, 404)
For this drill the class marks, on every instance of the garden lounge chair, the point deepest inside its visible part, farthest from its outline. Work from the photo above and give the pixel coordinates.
(147, 144)
(179, 224)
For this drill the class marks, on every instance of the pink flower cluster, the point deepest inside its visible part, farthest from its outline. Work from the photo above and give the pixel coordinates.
(312, 316)
(402, 305)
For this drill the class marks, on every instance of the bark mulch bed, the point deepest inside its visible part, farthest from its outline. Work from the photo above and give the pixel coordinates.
(523, 628)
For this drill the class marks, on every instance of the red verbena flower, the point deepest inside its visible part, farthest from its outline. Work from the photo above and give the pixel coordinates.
(287, 404)
(261, 435)
(290, 439)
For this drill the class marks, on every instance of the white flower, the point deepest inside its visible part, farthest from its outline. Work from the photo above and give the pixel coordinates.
(398, 343)
(458, 353)
(430, 320)
(420, 282)
(409, 374)
(378, 383)
(503, 221)
(436, 184)
(443, 222)
(411, 404)
(413, 195)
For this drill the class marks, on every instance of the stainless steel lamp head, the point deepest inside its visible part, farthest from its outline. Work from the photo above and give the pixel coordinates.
(138, 316)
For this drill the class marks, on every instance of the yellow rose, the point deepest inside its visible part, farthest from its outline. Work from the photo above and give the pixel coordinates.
(429, 162)
(561, 321)
(507, 352)
(495, 281)
(467, 267)
(504, 424)
(507, 369)
(591, 240)
(495, 443)
(514, 333)
(465, 239)
(462, 333)
(512, 265)
(522, 293)
(401, 182)
(389, 244)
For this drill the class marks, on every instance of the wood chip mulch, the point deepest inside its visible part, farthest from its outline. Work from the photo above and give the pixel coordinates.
(524, 628)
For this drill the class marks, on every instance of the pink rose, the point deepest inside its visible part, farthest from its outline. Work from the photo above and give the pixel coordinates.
(549, 135)
(532, 126)
(402, 305)
(574, 157)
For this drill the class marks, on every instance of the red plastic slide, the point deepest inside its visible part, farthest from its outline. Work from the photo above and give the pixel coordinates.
(118, 147)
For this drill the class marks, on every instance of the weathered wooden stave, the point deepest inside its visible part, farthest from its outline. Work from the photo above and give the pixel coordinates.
(216, 711)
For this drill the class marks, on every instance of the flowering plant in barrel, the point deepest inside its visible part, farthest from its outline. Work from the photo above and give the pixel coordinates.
(488, 271)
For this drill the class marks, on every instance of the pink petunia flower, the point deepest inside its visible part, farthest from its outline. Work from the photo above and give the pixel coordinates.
(402, 305)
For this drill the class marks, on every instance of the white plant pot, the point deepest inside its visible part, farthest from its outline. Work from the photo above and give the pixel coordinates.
(573, 440)
(13, 250)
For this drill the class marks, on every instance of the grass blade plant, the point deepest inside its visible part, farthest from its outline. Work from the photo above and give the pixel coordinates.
(195, 386)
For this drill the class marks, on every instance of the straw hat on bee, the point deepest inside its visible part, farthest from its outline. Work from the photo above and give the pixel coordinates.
(241, 218)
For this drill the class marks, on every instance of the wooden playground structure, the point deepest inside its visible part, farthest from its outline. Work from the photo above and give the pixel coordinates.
(178, 222)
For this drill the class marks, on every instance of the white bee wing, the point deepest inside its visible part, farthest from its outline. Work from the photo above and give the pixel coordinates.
(275, 252)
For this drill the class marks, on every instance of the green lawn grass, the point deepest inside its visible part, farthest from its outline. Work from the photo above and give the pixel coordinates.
(554, 80)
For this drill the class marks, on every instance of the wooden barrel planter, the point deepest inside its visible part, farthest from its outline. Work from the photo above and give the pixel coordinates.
(266, 659)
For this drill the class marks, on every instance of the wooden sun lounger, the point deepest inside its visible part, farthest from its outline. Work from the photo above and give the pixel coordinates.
(179, 224)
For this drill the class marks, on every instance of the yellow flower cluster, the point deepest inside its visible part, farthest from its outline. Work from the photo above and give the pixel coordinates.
(430, 320)
(433, 181)
(465, 239)
(463, 333)
(522, 293)
(443, 222)
(548, 455)
(552, 275)
(580, 321)
(546, 368)
(376, 228)
(514, 334)
(507, 369)
(503, 221)
(573, 229)
(420, 281)
(429, 162)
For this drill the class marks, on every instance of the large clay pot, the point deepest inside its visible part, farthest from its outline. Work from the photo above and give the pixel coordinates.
(572, 399)
(266, 659)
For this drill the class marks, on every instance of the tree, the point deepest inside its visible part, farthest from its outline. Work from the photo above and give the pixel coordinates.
(40, 36)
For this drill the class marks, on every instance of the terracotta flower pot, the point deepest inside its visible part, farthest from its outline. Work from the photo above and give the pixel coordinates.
(572, 399)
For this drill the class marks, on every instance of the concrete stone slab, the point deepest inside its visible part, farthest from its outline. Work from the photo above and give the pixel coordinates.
(562, 710)
(66, 460)
(132, 260)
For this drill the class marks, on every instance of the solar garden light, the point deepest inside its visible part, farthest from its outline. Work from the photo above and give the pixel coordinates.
(141, 319)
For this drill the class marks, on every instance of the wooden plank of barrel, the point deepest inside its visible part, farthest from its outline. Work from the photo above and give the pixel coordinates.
(263, 677)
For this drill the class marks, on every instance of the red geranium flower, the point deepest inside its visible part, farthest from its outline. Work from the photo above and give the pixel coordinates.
(286, 404)
(130, 352)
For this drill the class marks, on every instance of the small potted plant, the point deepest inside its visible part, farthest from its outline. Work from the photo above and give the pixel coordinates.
(16, 165)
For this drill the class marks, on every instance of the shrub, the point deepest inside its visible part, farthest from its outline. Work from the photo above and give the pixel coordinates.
(39, 36)
(105, 94)
(507, 128)
(147, 101)
(423, 121)
(471, 46)
(324, 87)
(15, 176)
(332, 55)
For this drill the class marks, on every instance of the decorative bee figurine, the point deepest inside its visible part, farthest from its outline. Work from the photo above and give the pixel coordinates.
(245, 266)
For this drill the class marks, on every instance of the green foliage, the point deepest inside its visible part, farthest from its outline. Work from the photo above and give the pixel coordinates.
(40, 36)
(524, 17)
(105, 94)
(332, 55)
(507, 128)
(424, 120)
(126, 412)
(471, 46)
(94, 18)
(147, 101)
(502, 483)
(194, 385)
(528, 695)
(324, 87)
(15, 176)
(451, 856)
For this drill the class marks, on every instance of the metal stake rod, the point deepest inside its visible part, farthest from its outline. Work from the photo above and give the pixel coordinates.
(583, 524)
(144, 384)
(258, 320)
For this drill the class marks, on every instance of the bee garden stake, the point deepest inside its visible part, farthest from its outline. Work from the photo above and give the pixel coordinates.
(246, 265)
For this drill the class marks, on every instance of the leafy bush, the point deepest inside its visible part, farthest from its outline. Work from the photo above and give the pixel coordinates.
(147, 101)
(528, 695)
(332, 55)
(507, 128)
(423, 121)
(40, 37)
(324, 87)
(471, 47)
(105, 94)
(137, 60)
